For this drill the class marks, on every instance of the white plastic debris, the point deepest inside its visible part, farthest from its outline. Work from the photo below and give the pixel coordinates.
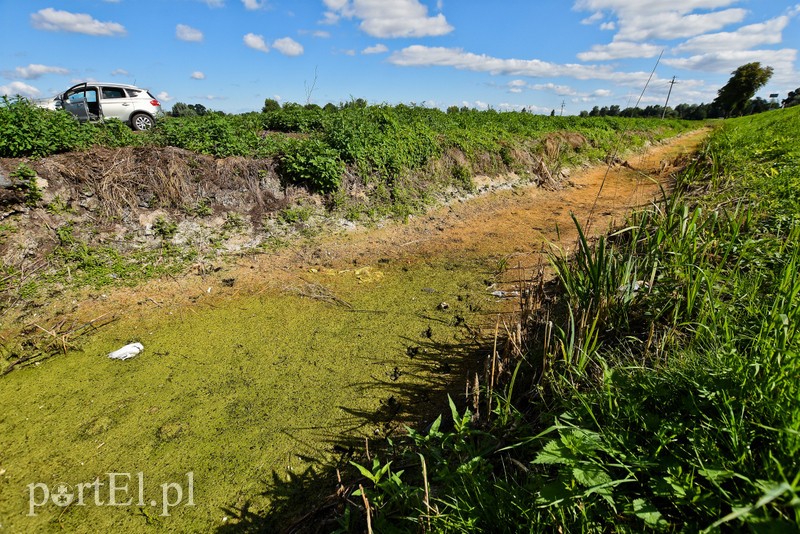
(126, 352)
(505, 294)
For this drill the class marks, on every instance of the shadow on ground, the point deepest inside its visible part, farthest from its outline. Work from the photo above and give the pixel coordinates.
(313, 501)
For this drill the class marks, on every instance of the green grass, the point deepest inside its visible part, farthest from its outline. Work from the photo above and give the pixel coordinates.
(668, 397)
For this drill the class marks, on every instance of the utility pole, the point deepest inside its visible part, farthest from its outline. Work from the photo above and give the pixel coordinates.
(562, 107)
(673, 82)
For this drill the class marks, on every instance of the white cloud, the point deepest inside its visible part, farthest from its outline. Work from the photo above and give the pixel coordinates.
(197, 75)
(120, 72)
(256, 42)
(214, 3)
(33, 71)
(595, 18)
(288, 46)
(665, 19)
(421, 56)
(375, 49)
(389, 18)
(187, 33)
(727, 61)
(164, 96)
(252, 5)
(19, 88)
(618, 50)
(517, 86)
(560, 90)
(53, 20)
(746, 37)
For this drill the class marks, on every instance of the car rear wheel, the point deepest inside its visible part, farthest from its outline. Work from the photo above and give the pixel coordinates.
(142, 121)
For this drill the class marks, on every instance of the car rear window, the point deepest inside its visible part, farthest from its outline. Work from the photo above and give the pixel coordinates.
(133, 92)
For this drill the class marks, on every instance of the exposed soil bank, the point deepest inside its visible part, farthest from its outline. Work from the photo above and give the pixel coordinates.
(260, 368)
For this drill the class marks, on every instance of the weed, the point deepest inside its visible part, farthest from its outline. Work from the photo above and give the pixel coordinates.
(164, 228)
(234, 222)
(58, 206)
(294, 215)
(25, 183)
(203, 208)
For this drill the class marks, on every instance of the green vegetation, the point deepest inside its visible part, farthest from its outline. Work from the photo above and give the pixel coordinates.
(25, 183)
(76, 262)
(380, 143)
(26, 130)
(742, 86)
(657, 391)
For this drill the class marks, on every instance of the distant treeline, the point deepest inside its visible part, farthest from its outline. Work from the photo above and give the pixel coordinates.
(681, 111)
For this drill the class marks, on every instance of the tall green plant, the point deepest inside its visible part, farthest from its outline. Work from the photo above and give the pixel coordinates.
(28, 130)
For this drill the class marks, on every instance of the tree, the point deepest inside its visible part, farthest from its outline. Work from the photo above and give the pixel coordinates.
(744, 83)
(270, 104)
(182, 110)
(759, 105)
(793, 99)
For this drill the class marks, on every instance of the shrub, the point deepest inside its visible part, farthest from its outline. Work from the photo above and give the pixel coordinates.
(28, 130)
(313, 163)
(210, 134)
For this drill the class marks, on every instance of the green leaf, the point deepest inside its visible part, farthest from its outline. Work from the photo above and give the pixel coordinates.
(363, 470)
(555, 452)
(590, 475)
(648, 513)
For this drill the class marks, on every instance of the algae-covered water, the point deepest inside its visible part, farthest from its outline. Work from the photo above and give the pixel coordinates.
(225, 397)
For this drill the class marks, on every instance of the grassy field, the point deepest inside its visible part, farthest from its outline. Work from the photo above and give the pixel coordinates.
(658, 389)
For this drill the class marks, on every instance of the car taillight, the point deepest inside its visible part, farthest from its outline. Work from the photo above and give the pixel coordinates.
(155, 102)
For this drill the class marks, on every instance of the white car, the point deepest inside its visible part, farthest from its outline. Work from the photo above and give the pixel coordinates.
(94, 101)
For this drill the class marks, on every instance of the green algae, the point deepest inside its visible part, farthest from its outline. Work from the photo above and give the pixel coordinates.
(236, 393)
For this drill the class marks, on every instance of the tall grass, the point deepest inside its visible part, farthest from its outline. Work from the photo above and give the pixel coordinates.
(660, 387)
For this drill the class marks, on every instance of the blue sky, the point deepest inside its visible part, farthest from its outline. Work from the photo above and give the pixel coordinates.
(230, 55)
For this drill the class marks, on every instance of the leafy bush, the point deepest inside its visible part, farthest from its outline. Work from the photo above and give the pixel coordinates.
(28, 130)
(210, 134)
(313, 163)
(294, 118)
(115, 134)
